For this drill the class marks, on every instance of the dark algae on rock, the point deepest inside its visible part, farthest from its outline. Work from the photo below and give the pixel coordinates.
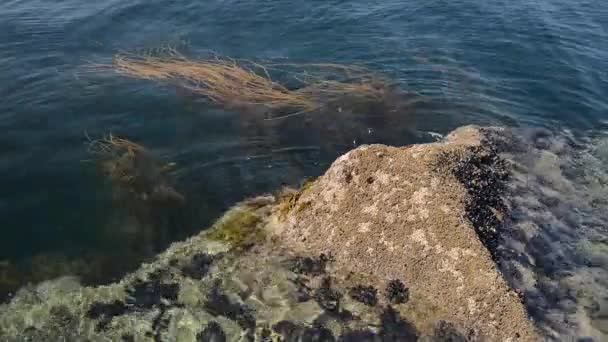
(142, 296)
(104, 312)
(328, 298)
(62, 315)
(127, 338)
(303, 290)
(392, 328)
(150, 293)
(219, 304)
(395, 328)
(396, 292)
(211, 333)
(367, 295)
(310, 266)
(160, 323)
(447, 332)
(289, 331)
(199, 266)
(484, 174)
(359, 336)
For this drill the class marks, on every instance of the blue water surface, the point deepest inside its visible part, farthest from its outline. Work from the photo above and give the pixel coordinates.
(529, 63)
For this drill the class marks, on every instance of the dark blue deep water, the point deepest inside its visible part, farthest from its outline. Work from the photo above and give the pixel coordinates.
(516, 63)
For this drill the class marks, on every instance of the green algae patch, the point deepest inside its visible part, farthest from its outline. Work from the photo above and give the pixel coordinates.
(289, 200)
(239, 228)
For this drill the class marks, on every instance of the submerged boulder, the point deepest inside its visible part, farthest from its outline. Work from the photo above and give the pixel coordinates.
(391, 244)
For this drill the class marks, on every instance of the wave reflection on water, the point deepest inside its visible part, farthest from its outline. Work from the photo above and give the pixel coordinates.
(506, 63)
(555, 250)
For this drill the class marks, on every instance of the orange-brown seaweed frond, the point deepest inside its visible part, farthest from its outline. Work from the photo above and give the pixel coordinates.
(234, 83)
(222, 81)
(119, 159)
(112, 146)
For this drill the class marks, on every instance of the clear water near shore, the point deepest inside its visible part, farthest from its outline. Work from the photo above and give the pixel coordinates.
(530, 64)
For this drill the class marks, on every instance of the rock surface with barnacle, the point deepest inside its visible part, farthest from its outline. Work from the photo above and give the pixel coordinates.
(391, 244)
(428, 214)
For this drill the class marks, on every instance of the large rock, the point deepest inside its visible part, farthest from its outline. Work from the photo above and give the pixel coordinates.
(423, 214)
(391, 244)
(215, 286)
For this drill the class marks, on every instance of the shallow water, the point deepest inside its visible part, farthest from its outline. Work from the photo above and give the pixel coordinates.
(554, 247)
(523, 63)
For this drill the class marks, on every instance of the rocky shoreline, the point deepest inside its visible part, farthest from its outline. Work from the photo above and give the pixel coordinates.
(391, 244)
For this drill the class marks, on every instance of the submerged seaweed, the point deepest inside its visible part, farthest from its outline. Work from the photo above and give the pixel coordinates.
(133, 169)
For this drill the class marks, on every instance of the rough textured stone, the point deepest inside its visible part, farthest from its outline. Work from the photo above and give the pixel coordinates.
(422, 214)
(198, 290)
(391, 244)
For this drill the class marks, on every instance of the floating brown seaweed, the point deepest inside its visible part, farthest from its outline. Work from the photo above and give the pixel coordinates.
(244, 84)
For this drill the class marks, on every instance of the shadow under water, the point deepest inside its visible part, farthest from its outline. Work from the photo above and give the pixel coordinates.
(554, 248)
